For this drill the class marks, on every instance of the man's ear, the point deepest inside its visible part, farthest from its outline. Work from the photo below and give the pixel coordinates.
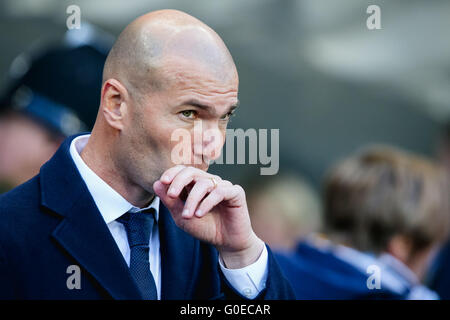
(114, 103)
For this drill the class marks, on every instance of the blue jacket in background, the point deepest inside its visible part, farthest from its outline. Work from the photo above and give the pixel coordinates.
(321, 270)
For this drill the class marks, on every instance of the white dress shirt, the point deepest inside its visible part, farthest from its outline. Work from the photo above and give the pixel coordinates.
(248, 281)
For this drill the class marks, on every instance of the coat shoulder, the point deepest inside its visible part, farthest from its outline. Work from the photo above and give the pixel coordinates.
(19, 206)
(25, 196)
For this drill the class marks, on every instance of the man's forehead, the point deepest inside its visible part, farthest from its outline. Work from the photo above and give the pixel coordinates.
(208, 94)
(179, 73)
(181, 67)
(208, 99)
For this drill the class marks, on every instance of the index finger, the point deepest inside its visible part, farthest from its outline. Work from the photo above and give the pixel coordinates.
(169, 174)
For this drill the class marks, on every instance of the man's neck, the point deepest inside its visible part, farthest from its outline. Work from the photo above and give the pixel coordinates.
(97, 159)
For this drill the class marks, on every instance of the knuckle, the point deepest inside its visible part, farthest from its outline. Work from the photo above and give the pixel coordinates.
(203, 182)
(227, 183)
(218, 192)
(185, 175)
(185, 171)
(178, 168)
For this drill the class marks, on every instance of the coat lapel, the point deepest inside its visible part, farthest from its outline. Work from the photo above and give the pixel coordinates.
(180, 263)
(82, 232)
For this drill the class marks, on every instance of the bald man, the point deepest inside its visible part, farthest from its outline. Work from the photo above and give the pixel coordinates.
(116, 213)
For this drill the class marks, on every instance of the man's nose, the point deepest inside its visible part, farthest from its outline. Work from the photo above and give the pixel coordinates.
(212, 140)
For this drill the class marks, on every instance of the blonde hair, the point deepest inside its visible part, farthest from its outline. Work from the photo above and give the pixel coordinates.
(298, 203)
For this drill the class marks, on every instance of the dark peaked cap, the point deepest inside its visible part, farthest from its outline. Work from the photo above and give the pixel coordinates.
(61, 89)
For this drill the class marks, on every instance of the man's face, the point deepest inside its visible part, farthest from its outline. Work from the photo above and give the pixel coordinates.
(192, 101)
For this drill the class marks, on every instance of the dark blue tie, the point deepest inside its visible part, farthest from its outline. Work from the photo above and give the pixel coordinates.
(139, 226)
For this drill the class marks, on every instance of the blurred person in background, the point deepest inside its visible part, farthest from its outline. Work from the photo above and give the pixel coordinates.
(54, 97)
(438, 277)
(284, 209)
(385, 211)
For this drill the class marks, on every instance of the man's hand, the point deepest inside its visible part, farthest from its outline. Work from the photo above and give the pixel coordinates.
(212, 210)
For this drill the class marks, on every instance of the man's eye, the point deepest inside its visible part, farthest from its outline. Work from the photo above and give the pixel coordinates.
(189, 114)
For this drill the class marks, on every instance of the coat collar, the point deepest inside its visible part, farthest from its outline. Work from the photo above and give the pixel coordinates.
(83, 233)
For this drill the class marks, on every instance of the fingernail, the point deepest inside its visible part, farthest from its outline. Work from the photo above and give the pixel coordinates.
(165, 178)
(198, 213)
(171, 191)
(185, 213)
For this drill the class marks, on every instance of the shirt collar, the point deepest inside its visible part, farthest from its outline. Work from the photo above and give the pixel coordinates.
(399, 267)
(109, 202)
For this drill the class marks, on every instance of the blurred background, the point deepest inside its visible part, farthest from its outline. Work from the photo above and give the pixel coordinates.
(308, 67)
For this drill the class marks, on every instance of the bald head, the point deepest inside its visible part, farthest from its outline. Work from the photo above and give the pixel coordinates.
(164, 40)
(166, 72)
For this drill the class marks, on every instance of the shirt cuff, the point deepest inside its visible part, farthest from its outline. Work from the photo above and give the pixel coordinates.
(250, 280)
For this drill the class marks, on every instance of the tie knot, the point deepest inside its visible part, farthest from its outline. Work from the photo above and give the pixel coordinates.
(139, 226)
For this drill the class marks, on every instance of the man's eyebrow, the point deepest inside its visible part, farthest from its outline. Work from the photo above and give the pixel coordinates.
(234, 106)
(208, 108)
